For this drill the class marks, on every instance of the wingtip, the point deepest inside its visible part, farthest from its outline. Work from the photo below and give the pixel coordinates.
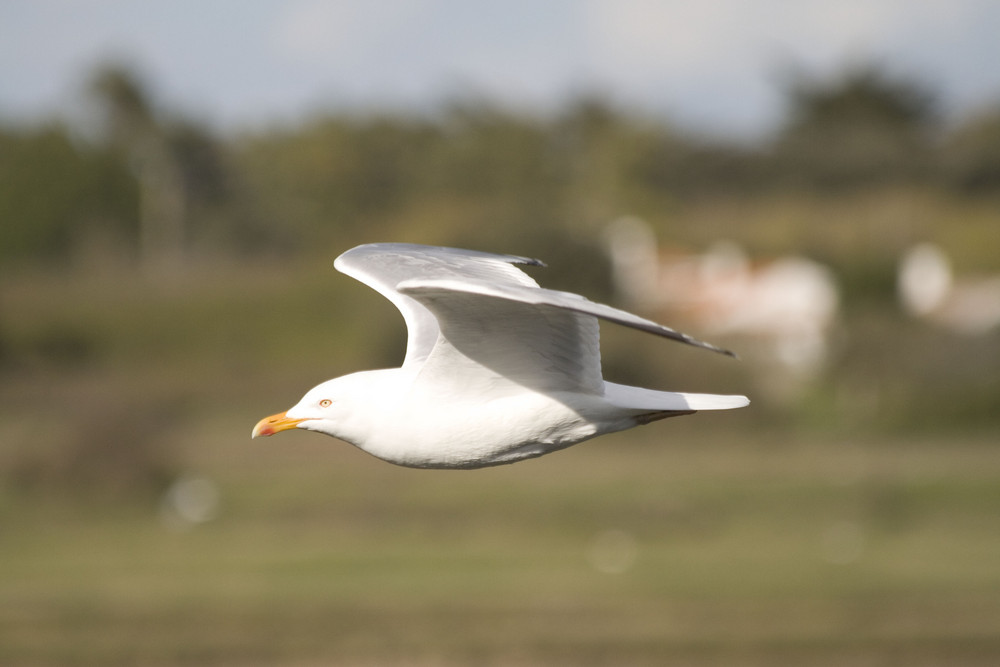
(708, 346)
(529, 261)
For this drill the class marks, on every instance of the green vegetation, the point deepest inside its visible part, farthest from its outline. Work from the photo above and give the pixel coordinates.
(747, 550)
(162, 288)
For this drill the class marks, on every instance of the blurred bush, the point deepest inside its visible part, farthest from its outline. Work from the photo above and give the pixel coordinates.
(55, 191)
(864, 129)
(112, 447)
(162, 184)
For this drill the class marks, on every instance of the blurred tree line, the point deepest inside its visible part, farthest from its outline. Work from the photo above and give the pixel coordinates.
(153, 189)
(859, 159)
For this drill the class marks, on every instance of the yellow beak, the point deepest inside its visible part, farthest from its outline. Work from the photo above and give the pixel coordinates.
(273, 424)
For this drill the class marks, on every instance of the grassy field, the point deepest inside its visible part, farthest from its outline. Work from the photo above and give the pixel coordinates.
(669, 547)
(720, 539)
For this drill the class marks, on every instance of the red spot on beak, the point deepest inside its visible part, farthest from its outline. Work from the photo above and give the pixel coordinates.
(273, 424)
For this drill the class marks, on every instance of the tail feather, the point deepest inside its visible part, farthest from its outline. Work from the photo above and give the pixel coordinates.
(638, 398)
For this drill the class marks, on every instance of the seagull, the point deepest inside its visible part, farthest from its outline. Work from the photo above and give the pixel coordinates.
(497, 369)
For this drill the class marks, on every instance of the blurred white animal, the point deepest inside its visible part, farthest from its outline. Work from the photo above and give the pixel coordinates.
(789, 303)
(928, 290)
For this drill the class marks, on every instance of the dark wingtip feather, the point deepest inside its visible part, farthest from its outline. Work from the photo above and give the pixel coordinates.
(714, 348)
(529, 261)
(690, 340)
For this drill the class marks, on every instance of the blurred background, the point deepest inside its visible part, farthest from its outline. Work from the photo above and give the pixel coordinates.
(816, 186)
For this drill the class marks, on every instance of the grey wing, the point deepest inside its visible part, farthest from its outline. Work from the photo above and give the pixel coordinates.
(382, 266)
(491, 345)
(538, 338)
(554, 299)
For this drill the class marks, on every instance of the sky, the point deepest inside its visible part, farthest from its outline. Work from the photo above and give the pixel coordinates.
(708, 65)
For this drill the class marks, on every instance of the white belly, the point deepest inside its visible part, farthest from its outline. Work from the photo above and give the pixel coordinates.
(472, 434)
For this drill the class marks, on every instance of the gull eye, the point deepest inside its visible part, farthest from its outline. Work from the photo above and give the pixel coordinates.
(325, 403)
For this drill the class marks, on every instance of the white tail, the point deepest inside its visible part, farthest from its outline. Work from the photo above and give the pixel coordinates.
(639, 398)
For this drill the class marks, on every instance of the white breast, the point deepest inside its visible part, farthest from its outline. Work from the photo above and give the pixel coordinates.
(471, 433)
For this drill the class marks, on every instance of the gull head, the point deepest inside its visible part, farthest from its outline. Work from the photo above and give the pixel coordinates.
(343, 408)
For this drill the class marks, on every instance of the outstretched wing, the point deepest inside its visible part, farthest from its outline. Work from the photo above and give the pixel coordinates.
(476, 321)
(534, 337)
(490, 341)
(382, 266)
(538, 296)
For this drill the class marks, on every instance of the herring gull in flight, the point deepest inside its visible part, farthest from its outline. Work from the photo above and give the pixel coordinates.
(497, 369)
